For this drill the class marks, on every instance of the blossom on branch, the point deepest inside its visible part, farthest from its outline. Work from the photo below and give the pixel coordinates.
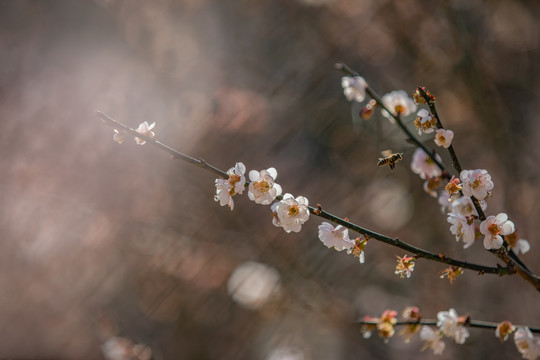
(354, 88)
(424, 122)
(527, 344)
(462, 228)
(476, 183)
(235, 184)
(386, 323)
(452, 326)
(433, 340)
(290, 213)
(410, 313)
(504, 329)
(398, 103)
(358, 249)
(405, 266)
(424, 166)
(263, 189)
(119, 136)
(444, 138)
(336, 237)
(493, 227)
(516, 244)
(145, 129)
(452, 273)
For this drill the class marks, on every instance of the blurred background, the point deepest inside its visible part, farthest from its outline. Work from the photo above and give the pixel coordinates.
(103, 246)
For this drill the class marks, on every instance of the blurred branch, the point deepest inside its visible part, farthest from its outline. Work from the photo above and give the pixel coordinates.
(470, 323)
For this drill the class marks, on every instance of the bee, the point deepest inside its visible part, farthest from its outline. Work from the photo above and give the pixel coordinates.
(389, 159)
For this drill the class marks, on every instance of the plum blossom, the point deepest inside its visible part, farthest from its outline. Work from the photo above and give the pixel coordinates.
(410, 313)
(476, 183)
(424, 122)
(145, 129)
(290, 213)
(452, 326)
(358, 249)
(263, 189)
(516, 244)
(354, 88)
(119, 136)
(462, 228)
(451, 273)
(399, 103)
(386, 323)
(504, 329)
(493, 227)
(336, 237)
(433, 340)
(405, 266)
(463, 205)
(235, 184)
(424, 166)
(527, 344)
(444, 138)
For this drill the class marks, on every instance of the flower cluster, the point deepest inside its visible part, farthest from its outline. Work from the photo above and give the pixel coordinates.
(338, 238)
(424, 122)
(235, 184)
(354, 88)
(527, 344)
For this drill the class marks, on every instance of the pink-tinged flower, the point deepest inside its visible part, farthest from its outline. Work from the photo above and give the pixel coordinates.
(462, 228)
(263, 188)
(463, 205)
(431, 185)
(493, 227)
(527, 344)
(476, 183)
(336, 237)
(145, 129)
(386, 323)
(516, 244)
(358, 249)
(290, 213)
(410, 313)
(405, 266)
(235, 184)
(433, 340)
(453, 187)
(504, 329)
(424, 122)
(354, 88)
(451, 273)
(452, 326)
(119, 136)
(367, 329)
(399, 103)
(424, 166)
(444, 138)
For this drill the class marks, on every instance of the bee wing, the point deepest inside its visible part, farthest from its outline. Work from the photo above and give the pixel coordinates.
(386, 153)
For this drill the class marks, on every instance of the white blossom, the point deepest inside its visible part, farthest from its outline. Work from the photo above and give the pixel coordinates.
(424, 166)
(235, 184)
(448, 322)
(145, 129)
(263, 189)
(462, 229)
(476, 183)
(119, 136)
(493, 227)
(463, 205)
(444, 138)
(527, 344)
(336, 237)
(424, 122)
(354, 88)
(398, 102)
(433, 340)
(290, 213)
